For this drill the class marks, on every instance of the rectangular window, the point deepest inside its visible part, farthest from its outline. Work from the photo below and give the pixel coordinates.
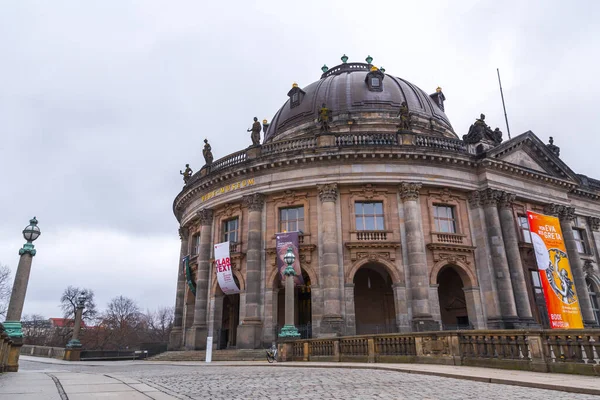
(537, 283)
(579, 235)
(524, 226)
(375, 82)
(195, 244)
(369, 216)
(230, 230)
(443, 217)
(291, 219)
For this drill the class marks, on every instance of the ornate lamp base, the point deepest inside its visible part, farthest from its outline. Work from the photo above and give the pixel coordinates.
(289, 331)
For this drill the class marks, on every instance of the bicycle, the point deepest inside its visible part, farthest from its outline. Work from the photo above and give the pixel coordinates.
(272, 354)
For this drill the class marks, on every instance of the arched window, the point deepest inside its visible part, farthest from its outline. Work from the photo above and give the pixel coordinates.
(593, 292)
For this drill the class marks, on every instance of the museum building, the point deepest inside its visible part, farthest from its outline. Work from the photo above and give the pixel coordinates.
(404, 224)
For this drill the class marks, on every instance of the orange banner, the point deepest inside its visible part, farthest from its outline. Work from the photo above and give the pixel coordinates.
(555, 272)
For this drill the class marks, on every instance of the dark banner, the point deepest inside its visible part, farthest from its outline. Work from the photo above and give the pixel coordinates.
(284, 240)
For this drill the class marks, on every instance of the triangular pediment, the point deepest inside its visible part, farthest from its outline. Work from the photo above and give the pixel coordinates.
(529, 152)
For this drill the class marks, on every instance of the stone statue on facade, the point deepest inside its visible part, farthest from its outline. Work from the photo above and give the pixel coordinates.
(404, 117)
(187, 173)
(324, 116)
(552, 147)
(481, 131)
(207, 153)
(255, 132)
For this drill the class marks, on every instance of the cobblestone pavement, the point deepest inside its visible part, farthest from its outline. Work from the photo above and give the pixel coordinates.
(273, 382)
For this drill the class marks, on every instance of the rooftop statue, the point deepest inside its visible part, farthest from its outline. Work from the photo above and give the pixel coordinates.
(324, 115)
(404, 117)
(207, 153)
(481, 131)
(255, 132)
(552, 147)
(187, 174)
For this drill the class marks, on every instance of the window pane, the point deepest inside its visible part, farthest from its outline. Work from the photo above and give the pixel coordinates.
(378, 208)
(368, 208)
(452, 226)
(301, 212)
(283, 215)
(301, 226)
(435, 212)
(369, 224)
(359, 224)
(444, 226)
(358, 208)
(580, 248)
(577, 234)
(375, 82)
(379, 223)
(437, 225)
(535, 277)
(292, 226)
(526, 236)
(450, 212)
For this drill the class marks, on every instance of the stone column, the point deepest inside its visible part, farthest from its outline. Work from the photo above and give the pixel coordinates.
(417, 261)
(513, 256)
(176, 336)
(473, 299)
(402, 320)
(331, 324)
(489, 199)
(565, 216)
(199, 329)
(350, 328)
(250, 329)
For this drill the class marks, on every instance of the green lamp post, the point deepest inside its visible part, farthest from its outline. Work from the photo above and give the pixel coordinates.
(289, 329)
(73, 350)
(19, 290)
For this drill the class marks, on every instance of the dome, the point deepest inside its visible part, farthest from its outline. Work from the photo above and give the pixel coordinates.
(356, 106)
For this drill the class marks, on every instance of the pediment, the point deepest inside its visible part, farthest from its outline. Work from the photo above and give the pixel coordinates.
(529, 152)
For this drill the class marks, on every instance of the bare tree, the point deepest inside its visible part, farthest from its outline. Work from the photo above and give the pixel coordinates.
(159, 323)
(37, 329)
(5, 289)
(68, 303)
(123, 319)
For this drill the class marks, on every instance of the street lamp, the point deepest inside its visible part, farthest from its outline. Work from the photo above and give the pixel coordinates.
(19, 290)
(74, 343)
(289, 330)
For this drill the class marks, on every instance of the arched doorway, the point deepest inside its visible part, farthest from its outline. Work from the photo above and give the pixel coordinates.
(374, 300)
(453, 305)
(230, 318)
(302, 305)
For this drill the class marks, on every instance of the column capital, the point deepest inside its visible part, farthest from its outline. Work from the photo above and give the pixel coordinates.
(410, 190)
(254, 202)
(594, 223)
(588, 268)
(506, 200)
(205, 216)
(183, 233)
(328, 192)
(489, 197)
(564, 213)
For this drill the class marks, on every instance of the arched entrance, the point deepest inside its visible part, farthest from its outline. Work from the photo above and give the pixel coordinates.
(374, 300)
(230, 318)
(453, 305)
(302, 305)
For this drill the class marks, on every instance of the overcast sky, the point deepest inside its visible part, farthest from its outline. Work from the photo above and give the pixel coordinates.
(103, 102)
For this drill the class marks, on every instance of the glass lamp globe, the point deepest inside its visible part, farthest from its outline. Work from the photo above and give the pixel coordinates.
(31, 231)
(81, 300)
(289, 257)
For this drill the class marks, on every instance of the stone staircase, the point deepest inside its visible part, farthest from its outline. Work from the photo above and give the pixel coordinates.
(217, 355)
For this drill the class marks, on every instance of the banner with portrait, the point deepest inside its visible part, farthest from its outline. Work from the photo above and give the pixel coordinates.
(555, 272)
(223, 269)
(283, 241)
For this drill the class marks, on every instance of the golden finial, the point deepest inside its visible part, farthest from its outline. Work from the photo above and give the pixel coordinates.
(294, 85)
(264, 121)
(373, 68)
(439, 89)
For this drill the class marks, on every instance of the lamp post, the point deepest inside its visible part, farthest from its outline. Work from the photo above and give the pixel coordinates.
(73, 350)
(289, 330)
(17, 297)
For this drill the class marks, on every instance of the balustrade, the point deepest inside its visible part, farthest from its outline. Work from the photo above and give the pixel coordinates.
(354, 347)
(443, 143)
(452, 238)
(572, 347)
(289, 145)
(371, 235)
(395, 346)
(366, 139)
(321, 348)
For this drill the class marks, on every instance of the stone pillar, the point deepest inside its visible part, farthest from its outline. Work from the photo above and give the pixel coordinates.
(199, 329)
(513, 256)
(565, 216)
(402, 320)
(250, 329)
(484, 268)
(350, 328)
(508, 309)
(332, 322)
(417, 261)
(473, 299)
(176, 336)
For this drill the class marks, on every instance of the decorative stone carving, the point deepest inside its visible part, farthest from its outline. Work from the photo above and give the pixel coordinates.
(183, 233)
(409, 190)
(229, 209)
(205, 216)
(328, 192)
(371, 256)
(506, 200)
(487, 197)
(552, 147)
(444, 195)
(434, 346)
(254, 202)
(255, 136)
(452, 258)
(324, 117)
(187, 173)
(480, 131)
(404, 116)
(588, 267)
(594, 223)
(207, 153)
(562, 212)
(475, 199)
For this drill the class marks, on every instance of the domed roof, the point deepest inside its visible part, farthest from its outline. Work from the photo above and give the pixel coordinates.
(352, 101)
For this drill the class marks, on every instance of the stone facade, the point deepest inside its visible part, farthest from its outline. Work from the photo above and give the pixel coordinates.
(384, 217)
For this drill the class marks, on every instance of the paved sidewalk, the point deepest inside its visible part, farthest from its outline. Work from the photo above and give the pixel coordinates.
(84, 380)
